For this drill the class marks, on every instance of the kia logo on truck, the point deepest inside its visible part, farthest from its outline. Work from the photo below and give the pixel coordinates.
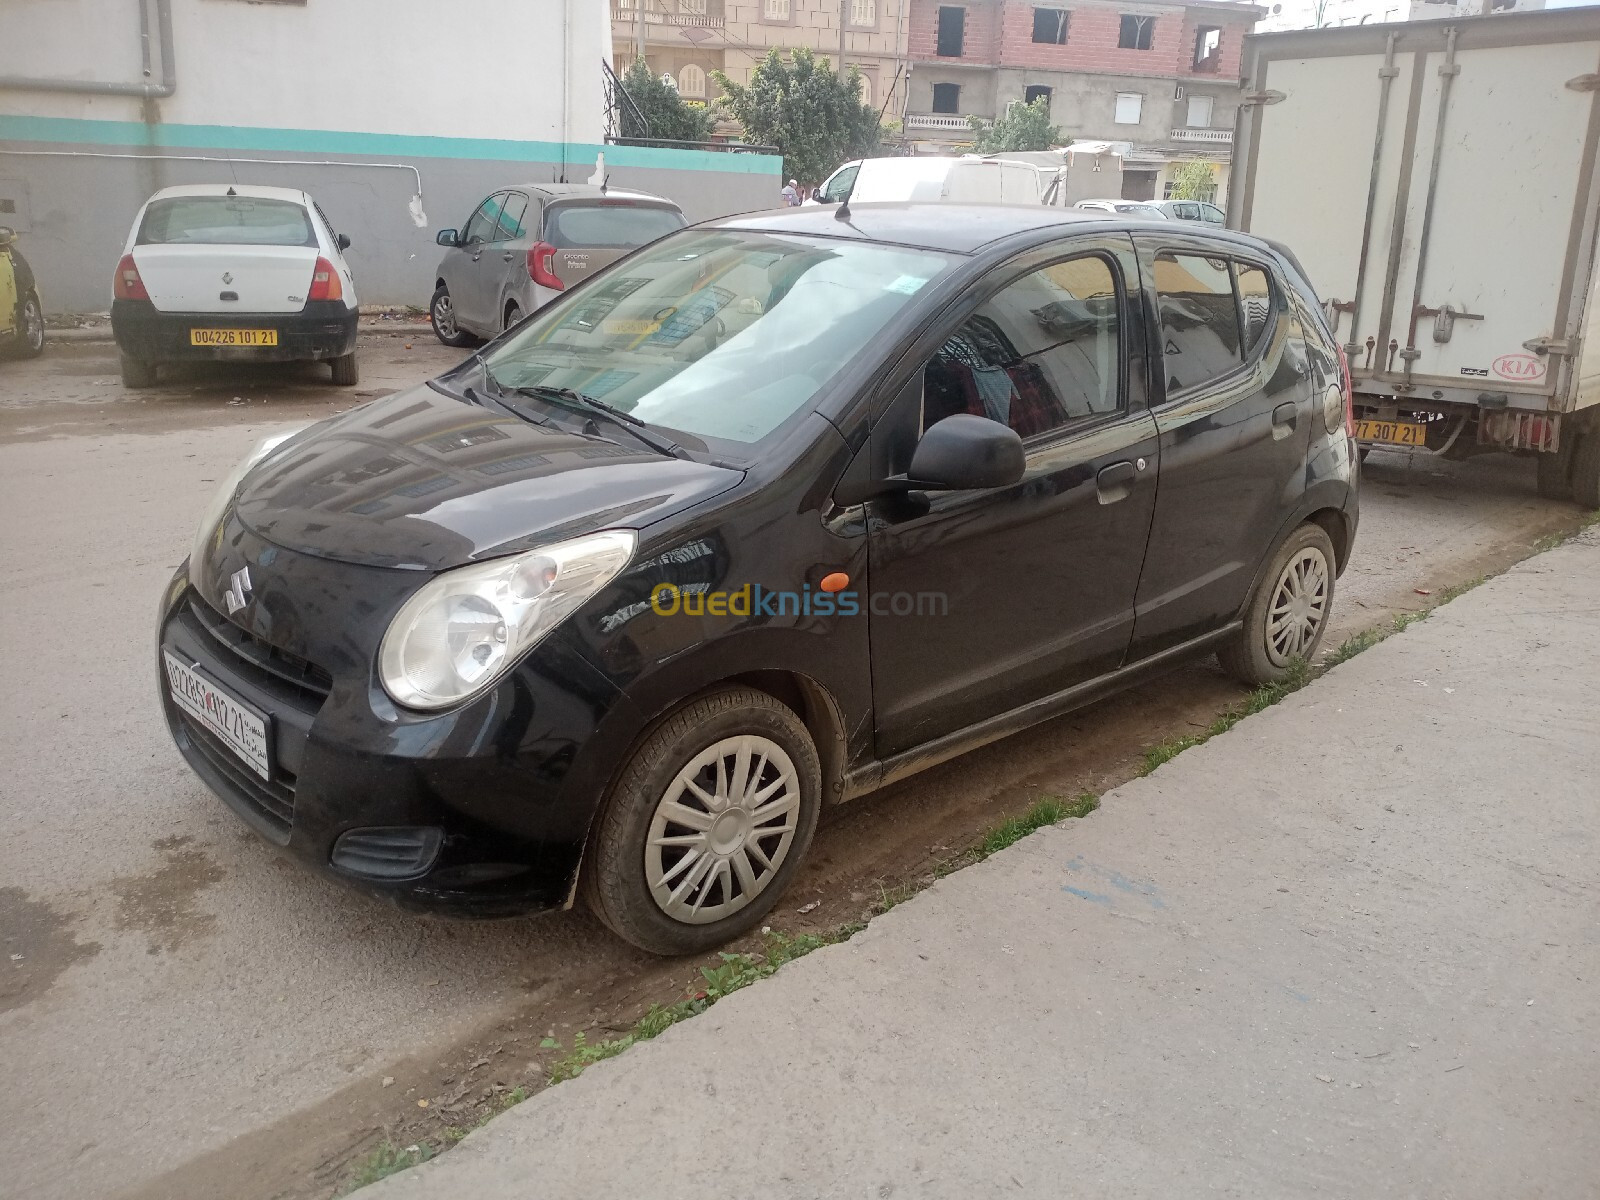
(1523, 368)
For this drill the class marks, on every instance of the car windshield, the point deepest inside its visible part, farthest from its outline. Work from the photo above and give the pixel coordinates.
(607, 226)
(717, 333)
(225, 221)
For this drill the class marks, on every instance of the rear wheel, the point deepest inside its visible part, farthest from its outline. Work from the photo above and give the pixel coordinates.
(1555, 472)
(30, 328)
(137, 373)
(442, 315)
(346, 371)
(513, 315)
(1288, 613)
(1585, 477)
(706, 824)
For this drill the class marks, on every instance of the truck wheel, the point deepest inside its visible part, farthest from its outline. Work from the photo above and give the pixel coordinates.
(137, 373)
(346, 371)
(1288, 613)
(1586, 470)
(706, 825)
(1555, 472)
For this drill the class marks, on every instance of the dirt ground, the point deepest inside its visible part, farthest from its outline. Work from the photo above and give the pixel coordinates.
(241, 1029)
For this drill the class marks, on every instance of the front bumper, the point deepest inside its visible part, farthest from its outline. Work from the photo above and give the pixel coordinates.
(478, 812)
(322, 329)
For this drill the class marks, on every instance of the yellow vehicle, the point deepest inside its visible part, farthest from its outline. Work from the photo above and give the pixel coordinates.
(21, 315)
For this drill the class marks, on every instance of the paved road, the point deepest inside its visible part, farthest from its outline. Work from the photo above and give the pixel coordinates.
(1345, 950)
(179, 987)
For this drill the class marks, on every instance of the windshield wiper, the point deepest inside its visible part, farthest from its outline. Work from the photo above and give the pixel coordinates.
(584, 403)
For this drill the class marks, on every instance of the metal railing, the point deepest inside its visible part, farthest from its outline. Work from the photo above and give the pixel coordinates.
(1203, 135)
(685, 18)
(671, 144)
(937, 121)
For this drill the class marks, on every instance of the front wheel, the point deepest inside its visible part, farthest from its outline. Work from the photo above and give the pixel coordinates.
(346, 371)
(442, 315)
(706, 825)
(1288, 613)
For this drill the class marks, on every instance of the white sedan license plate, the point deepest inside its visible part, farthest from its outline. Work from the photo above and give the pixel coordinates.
(239, 727)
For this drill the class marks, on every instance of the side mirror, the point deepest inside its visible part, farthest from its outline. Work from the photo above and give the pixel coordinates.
(447, 237)
(344, 241)
(966, 453)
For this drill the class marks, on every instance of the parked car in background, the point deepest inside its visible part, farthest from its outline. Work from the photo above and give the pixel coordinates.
(954, 179)
(1127, 208)
(21, 312)
(592, 613)
(1191, 210)
(235, 273)
(527, 243)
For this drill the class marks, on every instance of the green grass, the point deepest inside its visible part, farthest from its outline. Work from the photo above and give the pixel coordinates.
(386, 1159)
(1263, 697)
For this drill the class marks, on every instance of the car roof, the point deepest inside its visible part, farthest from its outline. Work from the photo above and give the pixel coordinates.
(586, 191)
(294, 195)
(962, 228)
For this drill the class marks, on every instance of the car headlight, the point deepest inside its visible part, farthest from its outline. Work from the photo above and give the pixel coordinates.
(224, 494)
(465, 628)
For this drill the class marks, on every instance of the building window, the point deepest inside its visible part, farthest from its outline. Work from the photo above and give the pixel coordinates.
(775, 10)
(691, 81)
(1129, 106)
(1050, 26)
(1199, 112)
(695, 8)
(1036, 91)
(947, 97)
(1207, 49)
(952, 24)
(864, 13)
(1136, 32)
(866, 90)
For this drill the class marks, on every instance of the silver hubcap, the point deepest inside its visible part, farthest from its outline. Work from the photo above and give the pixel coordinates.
(444, 316)
(33, 325)
(1299, 606)
(513, 315)
(722, 829)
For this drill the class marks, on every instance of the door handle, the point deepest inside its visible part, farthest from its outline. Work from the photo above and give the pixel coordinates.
(507, 256)
(1115, 482)
(477, 256)
(1283, 419)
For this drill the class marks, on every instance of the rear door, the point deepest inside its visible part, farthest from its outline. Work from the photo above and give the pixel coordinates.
(1235, 424)
(226, 254)
(506, 257)
(590, 234)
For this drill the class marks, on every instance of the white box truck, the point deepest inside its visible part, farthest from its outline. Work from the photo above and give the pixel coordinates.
(1438, 181)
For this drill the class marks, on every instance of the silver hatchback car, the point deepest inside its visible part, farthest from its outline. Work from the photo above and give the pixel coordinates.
(526, 243)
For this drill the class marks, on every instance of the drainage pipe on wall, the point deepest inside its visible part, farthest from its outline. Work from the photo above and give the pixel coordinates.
(147, 91)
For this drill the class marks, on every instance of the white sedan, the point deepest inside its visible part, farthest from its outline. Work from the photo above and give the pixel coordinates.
(213, 271)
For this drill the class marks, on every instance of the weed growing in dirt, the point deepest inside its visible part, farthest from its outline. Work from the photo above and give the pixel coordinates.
(1263, 697)
(385, 1160)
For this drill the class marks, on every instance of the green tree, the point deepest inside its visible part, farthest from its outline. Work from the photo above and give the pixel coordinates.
(1194, 180)
(666, 112)
(803, 107)
(1023, 127)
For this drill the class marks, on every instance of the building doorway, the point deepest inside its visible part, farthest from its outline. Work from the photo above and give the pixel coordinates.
(1138, 185)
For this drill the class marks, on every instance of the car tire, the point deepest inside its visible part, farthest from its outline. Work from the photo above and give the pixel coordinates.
(1585, 478)
(346, 370)
(678, 804)
(137, 373)
(30, 328)
(1298, 586)
(1555, 471)
(442, 316)
(513, 315)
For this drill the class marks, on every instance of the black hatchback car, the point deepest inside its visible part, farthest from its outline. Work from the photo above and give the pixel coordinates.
(772, 512)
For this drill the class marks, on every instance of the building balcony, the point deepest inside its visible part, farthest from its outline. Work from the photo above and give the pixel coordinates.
(947, 121)
(1222, 136)
(688, 14)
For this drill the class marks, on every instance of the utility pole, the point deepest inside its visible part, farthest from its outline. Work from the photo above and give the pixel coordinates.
(638, 28)
(844, 19)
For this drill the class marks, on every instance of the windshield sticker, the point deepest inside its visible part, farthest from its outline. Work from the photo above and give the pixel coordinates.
(906, 285)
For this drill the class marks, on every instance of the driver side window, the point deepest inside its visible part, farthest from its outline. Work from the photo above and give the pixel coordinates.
(1042, 353)
(840, 184)
(481, 227)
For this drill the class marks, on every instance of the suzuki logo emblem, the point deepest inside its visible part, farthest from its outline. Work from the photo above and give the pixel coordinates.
(227, 277)
(238, 593)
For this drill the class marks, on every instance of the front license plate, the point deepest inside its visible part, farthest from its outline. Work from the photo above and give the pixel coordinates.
(233, 337)
(240, 727)
(1393, 433)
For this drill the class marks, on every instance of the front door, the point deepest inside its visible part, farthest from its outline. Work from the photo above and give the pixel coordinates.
(1235, 426)
(983, 601)
(470, 278)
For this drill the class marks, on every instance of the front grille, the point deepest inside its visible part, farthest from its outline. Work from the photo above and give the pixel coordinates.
(309, 680)
(267, 804)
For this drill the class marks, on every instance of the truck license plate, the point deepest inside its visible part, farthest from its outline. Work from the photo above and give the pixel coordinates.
(240, 729)
(233, 337)
(1393, 433)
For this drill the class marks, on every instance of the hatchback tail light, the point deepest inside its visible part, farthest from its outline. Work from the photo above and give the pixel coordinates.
(325, 284)
(127, 285)
(1349, 392)
(542, 266)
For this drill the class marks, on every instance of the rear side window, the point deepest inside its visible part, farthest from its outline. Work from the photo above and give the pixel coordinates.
(1199, 320)
(1255, 303)
(225, 221)
(607, 226)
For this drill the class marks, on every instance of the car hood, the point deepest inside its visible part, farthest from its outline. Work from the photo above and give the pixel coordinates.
(426, 480)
